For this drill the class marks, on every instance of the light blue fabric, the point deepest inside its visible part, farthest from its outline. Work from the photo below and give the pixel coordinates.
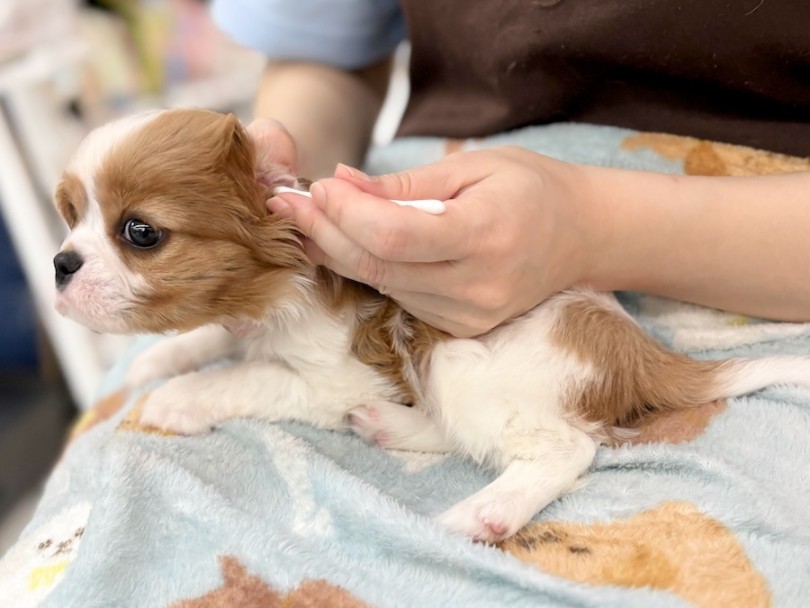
(349, 34)
(291, 502)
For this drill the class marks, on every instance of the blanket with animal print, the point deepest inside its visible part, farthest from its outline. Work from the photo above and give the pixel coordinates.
(708, 507)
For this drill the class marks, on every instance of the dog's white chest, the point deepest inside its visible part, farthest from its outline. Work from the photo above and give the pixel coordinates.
(318, 349)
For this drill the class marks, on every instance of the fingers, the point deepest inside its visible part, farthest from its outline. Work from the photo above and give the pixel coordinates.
(442, 180)
(326, 245)
(329, 246)
(388, 231)
(443, 323)
(353, 230)
(456, 317)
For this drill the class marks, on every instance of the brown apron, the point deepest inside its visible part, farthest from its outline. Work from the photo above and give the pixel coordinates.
(728, 70)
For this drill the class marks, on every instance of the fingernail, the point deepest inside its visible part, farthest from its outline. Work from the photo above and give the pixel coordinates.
(355, 173)
(279, 206)
(318, 194)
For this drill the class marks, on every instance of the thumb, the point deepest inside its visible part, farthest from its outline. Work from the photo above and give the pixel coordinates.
(439, 180)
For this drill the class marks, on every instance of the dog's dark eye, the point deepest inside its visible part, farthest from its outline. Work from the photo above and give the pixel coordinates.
(141, 234)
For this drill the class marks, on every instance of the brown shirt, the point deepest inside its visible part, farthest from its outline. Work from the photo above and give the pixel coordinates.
(727, 70)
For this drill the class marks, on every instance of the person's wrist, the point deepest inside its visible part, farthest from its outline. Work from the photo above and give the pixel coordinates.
(619, 230)
(641, 215)
(589, 186)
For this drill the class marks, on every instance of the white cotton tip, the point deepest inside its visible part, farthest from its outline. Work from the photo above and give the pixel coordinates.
(288, 190)
(428, 205)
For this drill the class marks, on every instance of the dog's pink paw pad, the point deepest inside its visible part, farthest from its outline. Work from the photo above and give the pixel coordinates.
(371, 413)
(497, 529)
(383, 438)
(364, 421)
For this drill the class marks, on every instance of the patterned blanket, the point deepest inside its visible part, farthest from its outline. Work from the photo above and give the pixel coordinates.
(708, 507)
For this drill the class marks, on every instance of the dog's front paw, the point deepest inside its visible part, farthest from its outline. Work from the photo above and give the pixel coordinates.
(175, 407)
(488, 520)
(150, 366)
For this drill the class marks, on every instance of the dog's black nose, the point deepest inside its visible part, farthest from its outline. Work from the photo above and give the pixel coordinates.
(66, 264)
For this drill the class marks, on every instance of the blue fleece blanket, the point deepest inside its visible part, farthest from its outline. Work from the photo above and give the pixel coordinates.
(708, 508)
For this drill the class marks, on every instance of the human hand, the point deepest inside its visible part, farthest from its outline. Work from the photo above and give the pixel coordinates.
(517, 229)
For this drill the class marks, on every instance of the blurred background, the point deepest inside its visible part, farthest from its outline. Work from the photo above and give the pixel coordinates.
(67, 66)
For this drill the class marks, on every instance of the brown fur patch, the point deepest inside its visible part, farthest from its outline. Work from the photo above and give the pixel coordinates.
(386, 337)
(191, 175)
(703, 157)
(673, 547)
(239, 588)
(70, 198)
(381, 340)
(636, 376)
(679, 426)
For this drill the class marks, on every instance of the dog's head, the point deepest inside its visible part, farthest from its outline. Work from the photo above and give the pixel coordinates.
(168, 224)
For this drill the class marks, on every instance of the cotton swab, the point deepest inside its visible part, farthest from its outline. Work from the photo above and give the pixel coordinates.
(430, 205)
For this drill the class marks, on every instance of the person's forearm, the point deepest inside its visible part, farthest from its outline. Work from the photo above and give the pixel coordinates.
(329, 112)
(734, 243)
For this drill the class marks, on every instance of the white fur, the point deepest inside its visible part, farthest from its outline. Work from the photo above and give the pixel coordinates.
(497, 400)
(392, 426)
(301, 369)
(488, 393)
(182, 354)
(94, 148)
(104, 287)
(747, 375)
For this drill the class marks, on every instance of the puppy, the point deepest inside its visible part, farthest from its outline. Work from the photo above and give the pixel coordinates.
(169, 231)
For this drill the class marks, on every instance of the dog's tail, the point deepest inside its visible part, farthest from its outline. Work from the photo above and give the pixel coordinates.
(735, 377)
(676, 382)
(637, 378)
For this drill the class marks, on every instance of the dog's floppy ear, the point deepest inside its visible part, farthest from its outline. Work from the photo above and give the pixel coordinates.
(257, 158)
(268, 150)
(70, 198)
(275, 153)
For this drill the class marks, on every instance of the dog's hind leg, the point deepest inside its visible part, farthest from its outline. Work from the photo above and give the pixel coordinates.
(396, 426)
(548, 464)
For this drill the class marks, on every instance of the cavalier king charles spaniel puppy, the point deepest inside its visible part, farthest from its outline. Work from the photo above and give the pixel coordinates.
(169, 231)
